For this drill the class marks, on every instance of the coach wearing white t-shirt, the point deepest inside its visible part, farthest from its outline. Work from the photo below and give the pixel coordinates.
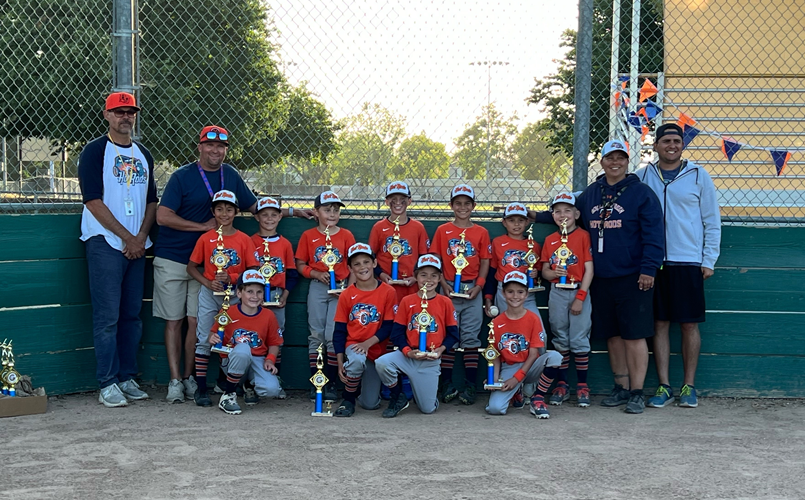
(116, 175)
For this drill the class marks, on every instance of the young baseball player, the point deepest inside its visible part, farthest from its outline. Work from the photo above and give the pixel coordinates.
(321, 305)
(256, 338)
(442, 334)
(519, 334)
(363, 322)
(240, 252)
(569, 310)
(477, 252)
(508, 254)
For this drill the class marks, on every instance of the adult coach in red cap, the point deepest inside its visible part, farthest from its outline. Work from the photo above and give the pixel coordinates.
(116, 175)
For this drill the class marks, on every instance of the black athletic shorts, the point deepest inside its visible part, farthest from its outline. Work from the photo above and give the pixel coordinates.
(621, 309)
(679, 294)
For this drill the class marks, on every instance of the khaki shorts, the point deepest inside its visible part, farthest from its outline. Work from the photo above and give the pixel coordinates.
(175, 291)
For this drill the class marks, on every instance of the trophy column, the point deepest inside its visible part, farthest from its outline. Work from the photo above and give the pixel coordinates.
(319, 380)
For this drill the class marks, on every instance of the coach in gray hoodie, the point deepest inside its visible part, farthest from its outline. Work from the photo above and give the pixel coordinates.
(692, 243)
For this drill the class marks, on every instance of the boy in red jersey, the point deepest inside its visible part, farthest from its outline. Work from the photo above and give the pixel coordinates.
(321, 305)
(362, 325)
(441, 334)
(239, 250)
(569, 310)
(477, 252)
(508, 254)
(519, 334)
(256, 338)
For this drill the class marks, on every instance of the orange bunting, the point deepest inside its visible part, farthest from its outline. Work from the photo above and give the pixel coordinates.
(647, 90)
(685, 120)
(644, 134)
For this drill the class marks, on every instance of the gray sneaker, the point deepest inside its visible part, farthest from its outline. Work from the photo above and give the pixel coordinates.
(131, 390)
(175, 391)
(190, 386)
(618, 396)
(250, 397)
(112, 397)
(281, 394)
(636, 404)
(229, 404)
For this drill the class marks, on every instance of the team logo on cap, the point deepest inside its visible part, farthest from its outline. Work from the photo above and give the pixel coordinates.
(359, 248)
(398, 187)
(429, 260)
(616, 144)
(463, 189)
(563, 196)
(329, 195)
(515, 209)
(267, 202)
(252, 276)
(515, 276)
(225, 196)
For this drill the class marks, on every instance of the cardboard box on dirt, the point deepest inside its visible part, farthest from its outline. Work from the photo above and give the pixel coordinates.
(24, 405)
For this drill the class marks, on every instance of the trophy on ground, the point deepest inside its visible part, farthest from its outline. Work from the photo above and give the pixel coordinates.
(271, 296)
(219, 258)
(563, 254)
(396, 250)
(223, 319)
(319, 380)
(532, 259)
(460, 290)
(330, 259)
(9, 376)
(491, 354)
(424, 321)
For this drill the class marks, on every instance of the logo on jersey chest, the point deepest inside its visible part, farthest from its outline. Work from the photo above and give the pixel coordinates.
(364, 314)
(513, 342)
(513, 258)
(243, 336)
(129, 171)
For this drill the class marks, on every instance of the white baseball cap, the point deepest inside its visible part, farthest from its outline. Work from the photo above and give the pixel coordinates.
(267, 202)
(326, 198)
(359, 248)
(398, 187)
(517, 277)
(429, 259)
(614, 146)
(462, 190)
(251, 276)
(225, 195)
(563, 197)
(515, 209)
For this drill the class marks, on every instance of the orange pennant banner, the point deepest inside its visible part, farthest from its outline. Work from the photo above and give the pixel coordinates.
(647, 90)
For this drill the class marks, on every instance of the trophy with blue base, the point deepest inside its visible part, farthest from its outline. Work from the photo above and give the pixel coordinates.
(319, 380)
(223, 319)
(271, 296)
(424, 321)
(219, 258)
(490, 353)
(460, 262)
(531, 259)
(330, 259)
(563, 254)
(396, 250)
(8, 376)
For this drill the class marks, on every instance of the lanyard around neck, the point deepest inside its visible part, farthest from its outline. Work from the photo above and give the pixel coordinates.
(207, 182)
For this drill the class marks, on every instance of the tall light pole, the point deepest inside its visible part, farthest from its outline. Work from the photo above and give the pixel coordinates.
(488, 65)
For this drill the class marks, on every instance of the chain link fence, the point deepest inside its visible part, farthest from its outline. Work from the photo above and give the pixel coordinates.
(350, 95)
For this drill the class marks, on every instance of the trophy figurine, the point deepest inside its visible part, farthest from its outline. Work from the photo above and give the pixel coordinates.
(531, 259)
(10, 376)
(460, 262)
(330, 259)
(271, 296)
(220, 259)
(563, 254)
(319, 380)
(423, 321)
(223, 319)
(491, 354)
(4, 348)
(396, 250)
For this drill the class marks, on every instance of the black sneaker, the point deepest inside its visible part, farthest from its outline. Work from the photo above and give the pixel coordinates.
(330, 393)
(202, 399)
(396, 406)
(346, 409)
(618, 396)
(449, 392)
(467, 396)
(636, 404)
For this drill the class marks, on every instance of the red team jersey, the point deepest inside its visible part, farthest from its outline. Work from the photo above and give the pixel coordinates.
(259, 331)
(281, 252)
(514, 337)
(311, 249)
(364, 313)
(578, 241)
(415, 242)
(508, 255)
(440, 307)
(238, 247)
(445, 241)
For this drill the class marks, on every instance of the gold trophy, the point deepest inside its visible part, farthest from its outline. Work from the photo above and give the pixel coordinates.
(491, 354)
(424, 320)
(396, 250)
(330, 259)
(319, 380)
(563, 254)
(532, 259)
(271, 297)
(10, 377)
(223, 319)
(460, 290)
(220, 259)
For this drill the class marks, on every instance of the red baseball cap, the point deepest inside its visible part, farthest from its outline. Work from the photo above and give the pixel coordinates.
(213, 133)
(121, 100)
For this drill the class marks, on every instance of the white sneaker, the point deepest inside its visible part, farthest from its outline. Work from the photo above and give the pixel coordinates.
(131, 390)
(190, 386)
(175, 391)
(112, 397)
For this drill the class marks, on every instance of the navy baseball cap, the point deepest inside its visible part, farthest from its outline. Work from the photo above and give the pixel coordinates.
(668, 129)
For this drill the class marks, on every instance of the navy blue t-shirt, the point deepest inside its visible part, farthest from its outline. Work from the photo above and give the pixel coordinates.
(187, 195)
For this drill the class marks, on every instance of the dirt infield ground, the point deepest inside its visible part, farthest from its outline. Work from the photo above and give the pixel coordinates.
(724, 449)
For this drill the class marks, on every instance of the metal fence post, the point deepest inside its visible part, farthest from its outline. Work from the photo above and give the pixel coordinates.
(584, 65)
(124, 60)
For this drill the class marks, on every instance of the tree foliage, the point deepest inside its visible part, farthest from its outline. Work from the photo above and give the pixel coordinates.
(489, 137)
(533, 159)
(419, 158)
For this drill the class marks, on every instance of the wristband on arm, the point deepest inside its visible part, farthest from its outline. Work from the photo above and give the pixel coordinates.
(272, 357)
(519, 375)
(306, 271)
(581, 295)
